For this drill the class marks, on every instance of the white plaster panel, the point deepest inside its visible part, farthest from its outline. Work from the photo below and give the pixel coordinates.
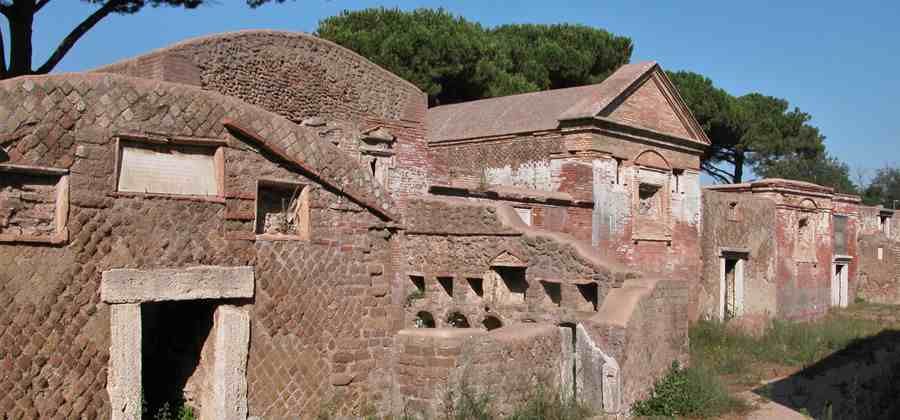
(535, 175)
(598, 381)
(612, 201)
(167, 171)
(686, 201)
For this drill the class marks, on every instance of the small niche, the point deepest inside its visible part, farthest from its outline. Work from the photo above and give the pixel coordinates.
(513, 287)
(648, 200)
(553, 292)
(733, 211)
(457, 320)
(446, 284)
(424, 319)
(491, 323)
(282, 209)
(477, 286)
(588, 293)
(418, 283)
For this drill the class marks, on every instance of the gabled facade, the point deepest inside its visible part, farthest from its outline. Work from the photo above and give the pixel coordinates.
(616, 164)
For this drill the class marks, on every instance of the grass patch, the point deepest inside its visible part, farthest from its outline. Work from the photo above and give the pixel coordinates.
(796, 344)
(547, 404)
(724, 359)
(688, 392)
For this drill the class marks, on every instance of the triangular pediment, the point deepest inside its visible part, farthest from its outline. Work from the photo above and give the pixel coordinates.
(507, 259)
(652, 102)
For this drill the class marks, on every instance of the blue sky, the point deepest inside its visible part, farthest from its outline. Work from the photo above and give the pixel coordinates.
(834, 60)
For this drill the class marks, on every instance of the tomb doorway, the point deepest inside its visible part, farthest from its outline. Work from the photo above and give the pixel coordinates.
(839, 282)
(178, 334)
(731, 285)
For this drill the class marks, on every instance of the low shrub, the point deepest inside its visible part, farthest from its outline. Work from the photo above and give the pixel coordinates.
(688, 392)
(548, 404)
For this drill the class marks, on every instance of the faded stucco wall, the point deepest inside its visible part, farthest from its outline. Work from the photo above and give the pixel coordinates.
(740, 229)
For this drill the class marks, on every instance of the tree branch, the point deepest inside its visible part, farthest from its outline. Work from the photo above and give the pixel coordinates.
(69, 41)
(719, 174)
(3, 68)
(40, 4)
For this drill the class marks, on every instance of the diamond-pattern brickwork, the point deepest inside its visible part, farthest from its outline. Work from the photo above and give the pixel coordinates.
(314, 299)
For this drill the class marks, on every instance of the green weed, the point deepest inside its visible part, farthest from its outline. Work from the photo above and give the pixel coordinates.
(688, 392)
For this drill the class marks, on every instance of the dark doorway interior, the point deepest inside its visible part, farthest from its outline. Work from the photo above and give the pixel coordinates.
(172, 341)
(730, 289)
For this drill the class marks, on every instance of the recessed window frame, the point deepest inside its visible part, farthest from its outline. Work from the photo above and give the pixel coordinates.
(61, 234)
(304, 229)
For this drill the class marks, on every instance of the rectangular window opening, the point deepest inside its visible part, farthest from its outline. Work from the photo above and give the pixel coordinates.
(524, 214)
(553, 292)
(34, 204)
(589, 295)
(282, 209)
(677, 174)
(513, 285)
(477, 286)
(648, 200)
(446, 285)
(418, 283)
(619, 169)
(884, 224)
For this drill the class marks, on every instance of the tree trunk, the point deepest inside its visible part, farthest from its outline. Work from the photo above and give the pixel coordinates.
(21, 19)
(738, 167)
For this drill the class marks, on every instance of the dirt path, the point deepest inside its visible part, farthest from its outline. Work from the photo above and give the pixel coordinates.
(764, 409)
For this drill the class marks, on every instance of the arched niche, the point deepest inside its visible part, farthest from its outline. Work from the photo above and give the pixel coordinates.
(652, 159)
(456, 319)
(424, 319)
(491, 323)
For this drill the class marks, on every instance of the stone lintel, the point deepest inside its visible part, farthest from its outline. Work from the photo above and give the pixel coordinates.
(203, 282)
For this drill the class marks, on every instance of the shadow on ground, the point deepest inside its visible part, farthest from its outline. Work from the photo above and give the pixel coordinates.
(861, 381)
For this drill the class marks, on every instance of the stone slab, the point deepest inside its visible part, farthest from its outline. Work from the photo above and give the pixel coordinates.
(232, 343)
(203, 282)
(124, 374)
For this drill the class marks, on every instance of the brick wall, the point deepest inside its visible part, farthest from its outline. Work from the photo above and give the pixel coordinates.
(643, 327)
(521, 161)
(308, 80)
(55, 331)
(443, 241)
(648, 107)
(28, 205)
(293, 74)
(507, 365)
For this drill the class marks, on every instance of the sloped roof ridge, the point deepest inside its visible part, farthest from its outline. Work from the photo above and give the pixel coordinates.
(532, 111)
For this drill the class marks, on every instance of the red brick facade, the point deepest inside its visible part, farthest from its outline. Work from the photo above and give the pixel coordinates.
(322, 179)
